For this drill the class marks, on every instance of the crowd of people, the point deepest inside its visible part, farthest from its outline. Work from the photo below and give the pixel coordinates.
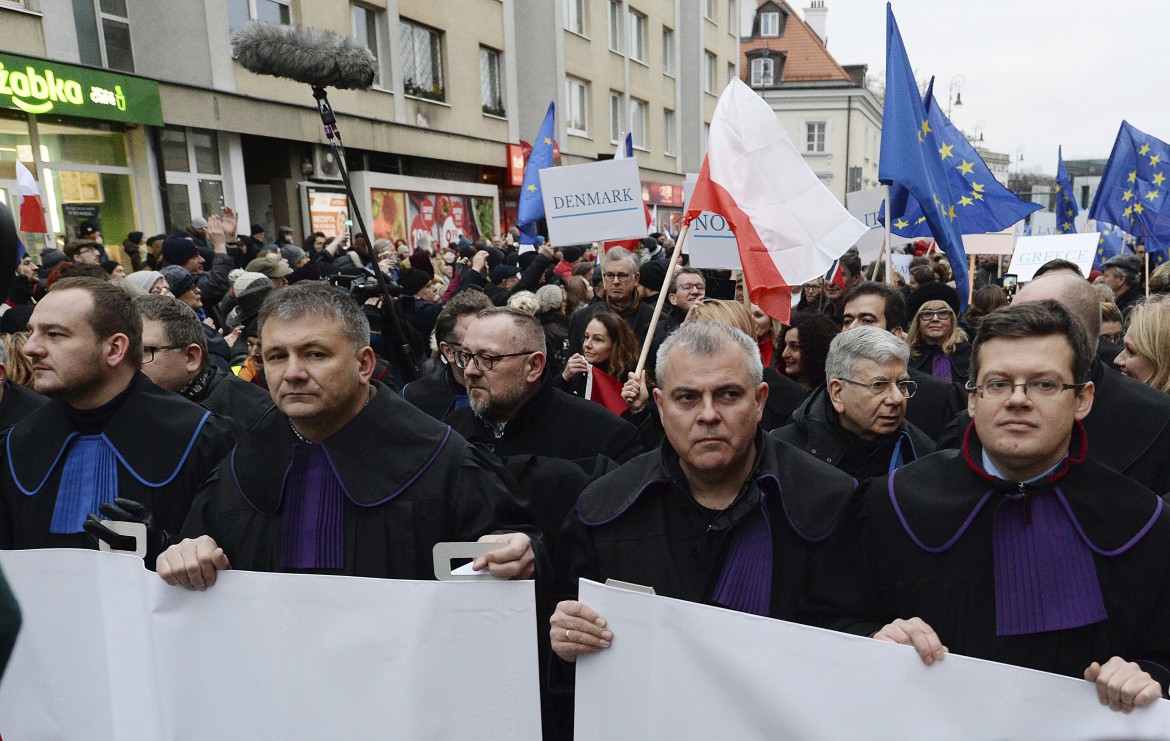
(987, 483)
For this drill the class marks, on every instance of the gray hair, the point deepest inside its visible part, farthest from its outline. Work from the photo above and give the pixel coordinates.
(706, 337)
(620, 253)
(310, 298)
(863, 343)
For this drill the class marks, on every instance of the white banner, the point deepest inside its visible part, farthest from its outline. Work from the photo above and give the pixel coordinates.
(710, 243)
(1032, 252)
(866, 206)
(593, 202)
(108, 651)
(682, 670)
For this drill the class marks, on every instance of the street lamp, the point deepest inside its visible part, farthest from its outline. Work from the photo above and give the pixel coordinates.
(955, 92)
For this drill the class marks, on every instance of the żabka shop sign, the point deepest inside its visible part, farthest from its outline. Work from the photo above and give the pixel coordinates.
(40, 87)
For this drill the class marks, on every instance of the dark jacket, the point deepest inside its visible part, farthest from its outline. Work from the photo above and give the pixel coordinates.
(18, 402)
(934, 404)
(438, 394)
(816, 430)
(554, 424)
(1126, 300)
(922, 358)
(240, 402)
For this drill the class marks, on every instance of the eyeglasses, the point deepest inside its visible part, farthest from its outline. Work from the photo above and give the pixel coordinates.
(941, 314)
(617, 277)
(881, 388)
(688, 287)
(1041, 388)
(148, 351)
(1115, 338)
(484, 362)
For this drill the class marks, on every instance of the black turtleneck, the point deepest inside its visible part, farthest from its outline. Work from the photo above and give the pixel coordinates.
(93, 421)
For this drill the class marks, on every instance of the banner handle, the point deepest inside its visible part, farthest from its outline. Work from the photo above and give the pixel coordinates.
(662, 300)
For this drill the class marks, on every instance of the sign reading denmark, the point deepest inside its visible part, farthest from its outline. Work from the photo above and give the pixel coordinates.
(593, 202)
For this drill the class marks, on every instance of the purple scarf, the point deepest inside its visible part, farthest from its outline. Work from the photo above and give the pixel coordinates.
(941, 364)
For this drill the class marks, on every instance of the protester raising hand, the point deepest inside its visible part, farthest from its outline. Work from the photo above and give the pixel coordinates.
(635, 392)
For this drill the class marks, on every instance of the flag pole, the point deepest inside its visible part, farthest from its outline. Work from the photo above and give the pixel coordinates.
(747, 300)
(1146, 260)
(881, 256)
(971, 278)
(889, 250)
(662, 300)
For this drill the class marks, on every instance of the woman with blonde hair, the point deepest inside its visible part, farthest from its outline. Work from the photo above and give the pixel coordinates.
(938, 345)
(19, 365)
(1145, 353)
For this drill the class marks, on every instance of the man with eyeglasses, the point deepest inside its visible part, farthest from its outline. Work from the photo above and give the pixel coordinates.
(515, 411)
(109, 431)
(83, 251)
(856, 421)
(687, 288)
(619, 275)
(1019, 548)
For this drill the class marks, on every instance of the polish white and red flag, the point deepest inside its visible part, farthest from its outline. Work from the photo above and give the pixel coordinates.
(32, 213)
(789, 227)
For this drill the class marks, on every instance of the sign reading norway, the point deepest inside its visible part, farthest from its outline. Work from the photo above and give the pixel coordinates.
(593, 202)
(40, 87)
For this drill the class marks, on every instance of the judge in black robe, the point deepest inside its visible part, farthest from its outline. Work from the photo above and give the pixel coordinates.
(553, 423)
(146, 444)
(1128, 428)
(967, 558)
(407, 482)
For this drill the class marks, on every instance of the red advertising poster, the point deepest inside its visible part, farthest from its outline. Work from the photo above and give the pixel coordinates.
(328, 212)
(442, 217)
(388, 207)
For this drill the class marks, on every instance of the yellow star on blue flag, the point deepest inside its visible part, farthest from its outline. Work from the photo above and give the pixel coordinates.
(1131, 188)
(1065, 202)
(530, 209)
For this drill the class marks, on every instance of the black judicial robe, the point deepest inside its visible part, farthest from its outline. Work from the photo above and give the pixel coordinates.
(165, 447)
(435, 393)
(410, 482)
(640, 524)
(942, 503)
(230, 398)
(555, 424)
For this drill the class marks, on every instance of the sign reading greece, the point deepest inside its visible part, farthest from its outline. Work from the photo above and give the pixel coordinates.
(710, 243)
(1032, 252)
(39, 87)
(593, 202)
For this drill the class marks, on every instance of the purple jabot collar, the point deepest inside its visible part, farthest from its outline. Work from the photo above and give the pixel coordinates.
(745, 584)
(313, 523)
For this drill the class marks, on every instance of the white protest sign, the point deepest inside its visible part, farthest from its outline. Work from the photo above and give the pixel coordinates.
(902, 265)
(710, 243)
(683, 670)
(866, 207)
(1032, 252)
(108, 651)
(593, 202)
(993, 243)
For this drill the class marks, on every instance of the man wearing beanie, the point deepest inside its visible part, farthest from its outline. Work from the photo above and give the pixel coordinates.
(180, 249)
(504, 279)
(651, 276)
(135, 248)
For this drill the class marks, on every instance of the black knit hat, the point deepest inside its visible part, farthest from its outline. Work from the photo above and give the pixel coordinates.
(933, 291)
(652, 275)
(412, 280)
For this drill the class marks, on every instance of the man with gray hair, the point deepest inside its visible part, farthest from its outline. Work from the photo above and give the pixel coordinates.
(344, 477)
(719, 514)
(619, 275)
(1123, 277)
(856, 421)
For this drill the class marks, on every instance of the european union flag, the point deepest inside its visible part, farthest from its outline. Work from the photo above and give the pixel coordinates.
(910, 157)
(1133, 189)
(983, 206)
(1109, 244)
(531, 207)
(1066, 203)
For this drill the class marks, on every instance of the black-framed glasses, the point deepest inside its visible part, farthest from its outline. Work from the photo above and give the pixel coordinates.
(940, 314)
(688, 287)
(148, 351)
(881, 388)
(1040, 388)
(617, 277)
(482, 361)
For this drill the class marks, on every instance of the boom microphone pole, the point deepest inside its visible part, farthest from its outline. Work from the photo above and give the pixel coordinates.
(323, 59)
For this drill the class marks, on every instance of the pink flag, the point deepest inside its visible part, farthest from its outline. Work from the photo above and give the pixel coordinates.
(788, 225)
(32, 214)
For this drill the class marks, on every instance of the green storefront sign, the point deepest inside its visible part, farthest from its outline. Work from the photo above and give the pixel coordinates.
(37, 86)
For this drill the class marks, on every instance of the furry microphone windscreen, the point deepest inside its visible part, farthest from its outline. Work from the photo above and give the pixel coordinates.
(306, 55)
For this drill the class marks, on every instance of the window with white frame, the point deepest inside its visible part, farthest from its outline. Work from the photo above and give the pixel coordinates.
(637, 28)
(615, 26)
(194, 175)
(575, 16)
(269, 11)
(639, 122)
(616, 120)
(668, 131)
(103, 33)
(422, 60)
(667, 51)
(731, 72)
(815, 140)
(763, 72)
(367, 29)
(770, 24)
(709, 63)
(733, 17)
(710, 7)
(577, 106)
(490, 91)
